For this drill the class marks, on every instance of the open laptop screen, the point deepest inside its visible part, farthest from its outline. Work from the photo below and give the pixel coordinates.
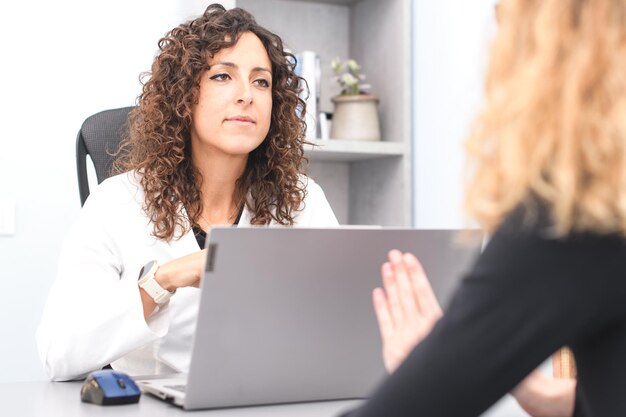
(286, 313)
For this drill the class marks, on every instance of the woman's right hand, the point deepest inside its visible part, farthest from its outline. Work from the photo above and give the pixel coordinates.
(182, 272)
(186, 271)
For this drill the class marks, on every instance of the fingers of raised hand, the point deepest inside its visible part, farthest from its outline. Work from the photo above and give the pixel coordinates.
(383, 315)
(401, 323)
(422, 290)
(406, 297)
(391, 290)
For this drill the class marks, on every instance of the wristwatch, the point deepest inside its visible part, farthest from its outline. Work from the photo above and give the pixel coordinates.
(150, 285)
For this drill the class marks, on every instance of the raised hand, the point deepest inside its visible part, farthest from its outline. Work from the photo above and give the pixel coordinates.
(406, 309)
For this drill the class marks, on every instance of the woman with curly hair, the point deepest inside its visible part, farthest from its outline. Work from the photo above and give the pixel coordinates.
(216, 139)
(548, 185)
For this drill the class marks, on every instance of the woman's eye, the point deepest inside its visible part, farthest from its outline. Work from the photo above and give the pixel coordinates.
(262, 82)
(220, 77)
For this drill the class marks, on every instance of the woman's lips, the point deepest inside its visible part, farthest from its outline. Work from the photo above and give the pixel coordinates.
(240, 119)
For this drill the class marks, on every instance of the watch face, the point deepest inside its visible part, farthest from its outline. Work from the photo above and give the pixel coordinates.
(147, 267)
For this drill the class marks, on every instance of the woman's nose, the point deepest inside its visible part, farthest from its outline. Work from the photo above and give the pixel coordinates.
(244, 93)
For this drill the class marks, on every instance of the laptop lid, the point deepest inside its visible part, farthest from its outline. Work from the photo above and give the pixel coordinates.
(286, 313)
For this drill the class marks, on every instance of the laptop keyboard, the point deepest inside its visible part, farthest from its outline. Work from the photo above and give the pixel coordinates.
(180, 387)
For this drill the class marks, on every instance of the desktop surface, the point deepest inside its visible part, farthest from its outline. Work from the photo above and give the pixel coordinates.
(62, 399)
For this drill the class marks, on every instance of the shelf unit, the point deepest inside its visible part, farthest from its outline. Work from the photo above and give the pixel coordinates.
(366, 183)
(338, 150)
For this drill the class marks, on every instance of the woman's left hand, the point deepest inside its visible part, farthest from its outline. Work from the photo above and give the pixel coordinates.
(406, 309)
(543, 396)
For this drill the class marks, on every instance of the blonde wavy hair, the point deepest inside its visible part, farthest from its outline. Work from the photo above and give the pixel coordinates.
(553, 127)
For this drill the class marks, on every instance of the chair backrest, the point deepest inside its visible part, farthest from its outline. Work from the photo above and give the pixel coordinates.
(99, 137)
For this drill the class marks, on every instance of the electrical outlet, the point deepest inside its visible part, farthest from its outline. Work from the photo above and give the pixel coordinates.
(7, 217)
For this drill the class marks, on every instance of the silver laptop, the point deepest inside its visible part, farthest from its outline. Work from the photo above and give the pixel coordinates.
(286, 313)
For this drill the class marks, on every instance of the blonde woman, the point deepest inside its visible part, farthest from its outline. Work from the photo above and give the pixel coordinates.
(549, 185)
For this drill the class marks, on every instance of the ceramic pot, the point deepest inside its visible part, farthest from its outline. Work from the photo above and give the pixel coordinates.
(355, 118)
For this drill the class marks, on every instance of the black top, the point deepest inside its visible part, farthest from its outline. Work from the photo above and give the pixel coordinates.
(201, 234)
(526, 296)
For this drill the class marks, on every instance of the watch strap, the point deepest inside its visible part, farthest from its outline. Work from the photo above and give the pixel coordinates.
(150, 285)
(159, 294)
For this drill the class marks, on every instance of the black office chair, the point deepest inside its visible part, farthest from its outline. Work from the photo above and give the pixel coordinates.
(99, 137)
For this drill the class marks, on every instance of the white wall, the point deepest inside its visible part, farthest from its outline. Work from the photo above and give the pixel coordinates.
(449, 52)
(61, 62)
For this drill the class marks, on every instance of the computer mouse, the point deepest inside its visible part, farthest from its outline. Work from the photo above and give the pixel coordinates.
(109, 387)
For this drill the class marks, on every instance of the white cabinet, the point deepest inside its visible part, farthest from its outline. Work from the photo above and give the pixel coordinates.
(365, 182)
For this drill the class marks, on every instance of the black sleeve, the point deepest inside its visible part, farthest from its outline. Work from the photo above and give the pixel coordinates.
(579, 404)
(525, 297)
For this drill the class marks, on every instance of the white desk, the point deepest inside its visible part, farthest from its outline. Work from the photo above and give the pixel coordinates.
(62, 399)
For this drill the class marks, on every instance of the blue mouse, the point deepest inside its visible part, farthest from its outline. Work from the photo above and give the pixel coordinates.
(109, 387)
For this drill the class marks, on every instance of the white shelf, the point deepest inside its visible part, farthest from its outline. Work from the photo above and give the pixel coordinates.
(341, 150)
(366, 182)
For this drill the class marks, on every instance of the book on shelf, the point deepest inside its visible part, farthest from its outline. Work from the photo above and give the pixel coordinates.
(324, 125)
(308, 67)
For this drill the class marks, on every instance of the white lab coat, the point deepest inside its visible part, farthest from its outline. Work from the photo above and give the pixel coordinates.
(93, 315)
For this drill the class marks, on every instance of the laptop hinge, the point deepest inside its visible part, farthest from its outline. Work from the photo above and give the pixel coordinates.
(211, 257)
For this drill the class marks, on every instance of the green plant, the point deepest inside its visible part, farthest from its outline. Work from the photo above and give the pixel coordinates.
(348, 75)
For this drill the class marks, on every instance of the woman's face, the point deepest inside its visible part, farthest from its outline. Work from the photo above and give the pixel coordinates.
(234, 106)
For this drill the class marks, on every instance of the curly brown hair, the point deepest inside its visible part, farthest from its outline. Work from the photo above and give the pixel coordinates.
(158, 145)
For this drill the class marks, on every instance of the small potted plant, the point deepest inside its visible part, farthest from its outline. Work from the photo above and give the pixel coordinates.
(356, 113)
